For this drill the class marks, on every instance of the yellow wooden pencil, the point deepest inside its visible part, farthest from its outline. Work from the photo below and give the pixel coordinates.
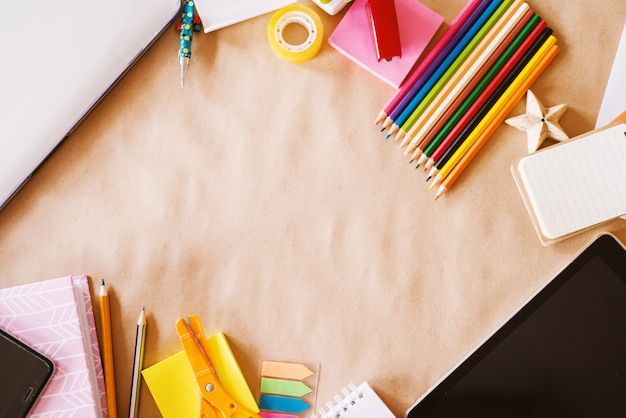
(107, 350)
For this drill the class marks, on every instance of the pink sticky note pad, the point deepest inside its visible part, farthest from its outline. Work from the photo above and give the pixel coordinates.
(353, 38)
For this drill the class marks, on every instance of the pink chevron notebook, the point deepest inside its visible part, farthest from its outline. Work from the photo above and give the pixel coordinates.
(353, 38)
(56, 318)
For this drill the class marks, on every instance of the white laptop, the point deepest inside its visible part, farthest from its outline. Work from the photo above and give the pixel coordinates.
(59, 57)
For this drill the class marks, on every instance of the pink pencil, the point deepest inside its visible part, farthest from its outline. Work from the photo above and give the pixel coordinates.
(428, 59)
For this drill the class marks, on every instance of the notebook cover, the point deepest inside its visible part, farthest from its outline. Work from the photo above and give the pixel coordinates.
(56, 318)
(353, 38)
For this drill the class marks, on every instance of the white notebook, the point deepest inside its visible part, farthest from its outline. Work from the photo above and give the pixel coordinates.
(356, 402)
(577, 184)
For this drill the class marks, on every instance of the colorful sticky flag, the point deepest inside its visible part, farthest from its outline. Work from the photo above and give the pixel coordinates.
(283, 388)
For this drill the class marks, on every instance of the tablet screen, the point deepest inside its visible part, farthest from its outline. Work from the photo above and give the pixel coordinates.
(563, 354)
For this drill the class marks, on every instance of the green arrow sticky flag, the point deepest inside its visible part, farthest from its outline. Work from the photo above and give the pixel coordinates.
(284, 387)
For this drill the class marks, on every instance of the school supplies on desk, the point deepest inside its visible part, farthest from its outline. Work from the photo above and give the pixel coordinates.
(576, 184)
(353, 38)
(175, 389)
(56, 318)
(357, 402)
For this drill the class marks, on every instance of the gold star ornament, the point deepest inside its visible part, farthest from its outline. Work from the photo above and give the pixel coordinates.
(539, 123)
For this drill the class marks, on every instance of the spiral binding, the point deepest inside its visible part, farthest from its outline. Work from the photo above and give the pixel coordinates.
(341, 405)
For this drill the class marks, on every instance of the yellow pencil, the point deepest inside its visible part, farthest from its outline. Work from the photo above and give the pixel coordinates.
(471, 153)
(107, 350)
(506, 98)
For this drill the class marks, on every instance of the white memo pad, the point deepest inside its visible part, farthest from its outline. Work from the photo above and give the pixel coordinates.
(575, 184)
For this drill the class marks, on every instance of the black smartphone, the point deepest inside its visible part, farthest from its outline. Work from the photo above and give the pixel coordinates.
(23, 374)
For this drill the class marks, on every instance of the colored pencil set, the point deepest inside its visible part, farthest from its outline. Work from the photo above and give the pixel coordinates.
(465, 86)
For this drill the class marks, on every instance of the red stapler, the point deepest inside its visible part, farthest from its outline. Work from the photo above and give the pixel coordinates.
(384, 24)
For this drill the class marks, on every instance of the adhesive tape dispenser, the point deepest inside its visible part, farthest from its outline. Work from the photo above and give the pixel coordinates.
(303, 16)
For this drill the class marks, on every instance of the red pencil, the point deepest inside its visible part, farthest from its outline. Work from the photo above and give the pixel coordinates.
(428, 59)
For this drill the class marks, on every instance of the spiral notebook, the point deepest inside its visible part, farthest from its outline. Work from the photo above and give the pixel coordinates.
(357, 402)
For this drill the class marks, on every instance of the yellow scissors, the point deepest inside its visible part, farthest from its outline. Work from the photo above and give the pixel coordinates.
(215, 402)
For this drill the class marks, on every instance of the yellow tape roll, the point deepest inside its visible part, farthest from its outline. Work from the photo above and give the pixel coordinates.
(301, 15)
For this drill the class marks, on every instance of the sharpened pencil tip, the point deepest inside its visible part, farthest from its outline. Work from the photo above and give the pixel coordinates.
(102, 282)
(417, 166)
(428, 178)
(388, 136)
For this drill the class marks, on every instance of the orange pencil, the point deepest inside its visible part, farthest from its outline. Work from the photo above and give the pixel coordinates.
(107, 350)
(496, 121)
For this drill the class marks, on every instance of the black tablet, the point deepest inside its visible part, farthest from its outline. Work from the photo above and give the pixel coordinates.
(563, 354)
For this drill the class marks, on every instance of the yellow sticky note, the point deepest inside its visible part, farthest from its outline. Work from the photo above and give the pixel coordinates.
(174, 387)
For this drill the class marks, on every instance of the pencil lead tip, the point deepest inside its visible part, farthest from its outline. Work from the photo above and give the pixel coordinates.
(417, 166)
(436, 197)
(387, 136)
(102, 282)
(428, 178)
